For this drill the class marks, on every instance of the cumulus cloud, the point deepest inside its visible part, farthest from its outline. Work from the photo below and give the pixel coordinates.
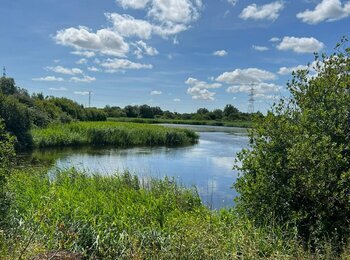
(232, 2)
(275, 39)
(143, 49)
(199, 89)
(114, 65)
(327, 10)
(128, 26)
(155, 92)
(269, 11)
(311, 67)
(300, 45)
(104, 41)
(246, 76)
(220, 53)
(58, 89)
(48, 78)
(87, 54)
(84, 79)
(175, 11)
(177, 100)
(63, 70)
(82, 61)
(260, 48)
(259, 88)
(93, 69)
(134, 4)
(81, 93)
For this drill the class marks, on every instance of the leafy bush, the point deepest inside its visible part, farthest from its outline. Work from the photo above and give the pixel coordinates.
(298, 168)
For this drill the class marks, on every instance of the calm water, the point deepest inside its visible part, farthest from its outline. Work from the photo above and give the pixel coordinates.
(207, 165)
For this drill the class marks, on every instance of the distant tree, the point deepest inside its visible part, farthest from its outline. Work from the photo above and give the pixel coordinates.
(218, 114)
(8, 86)
(231, 113)
(297, 170)
(145, 111)
(131, 111)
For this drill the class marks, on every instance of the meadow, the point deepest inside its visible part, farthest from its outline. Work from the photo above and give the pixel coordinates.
(123, 217)
(237, 123)
(118, 134)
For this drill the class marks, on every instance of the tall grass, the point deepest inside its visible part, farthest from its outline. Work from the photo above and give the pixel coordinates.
(111, 133)
(238, 123)
(119, 217)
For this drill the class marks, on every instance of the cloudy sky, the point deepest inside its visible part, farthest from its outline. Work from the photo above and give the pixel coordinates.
(177, 54)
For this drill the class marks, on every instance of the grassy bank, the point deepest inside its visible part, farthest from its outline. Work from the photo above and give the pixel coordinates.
(244, 124)
(110, 133)
(119, 217)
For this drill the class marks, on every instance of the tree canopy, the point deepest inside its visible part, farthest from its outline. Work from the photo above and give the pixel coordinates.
(297, 169)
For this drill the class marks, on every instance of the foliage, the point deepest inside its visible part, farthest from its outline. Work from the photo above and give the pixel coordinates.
(17, 120)
(298, 168)
(111, 133)
(6, 154)
(122, 217)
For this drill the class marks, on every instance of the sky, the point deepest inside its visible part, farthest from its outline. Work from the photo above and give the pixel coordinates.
(180, 55)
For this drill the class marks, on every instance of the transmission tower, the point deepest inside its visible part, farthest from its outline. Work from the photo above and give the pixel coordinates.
(4, 72)
(89, 98)
(251, 99)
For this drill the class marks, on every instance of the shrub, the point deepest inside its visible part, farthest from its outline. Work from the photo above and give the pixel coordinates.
(297, 170)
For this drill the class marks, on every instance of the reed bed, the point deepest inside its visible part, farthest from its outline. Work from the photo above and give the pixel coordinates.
(117, 134)
(121, 217)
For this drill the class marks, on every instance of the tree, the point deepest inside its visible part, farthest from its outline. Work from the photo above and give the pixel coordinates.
(6, 153)
(297, 170)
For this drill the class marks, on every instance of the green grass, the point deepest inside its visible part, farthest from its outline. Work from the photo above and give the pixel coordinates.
(119, 217)
(117, 134)
(238, 123)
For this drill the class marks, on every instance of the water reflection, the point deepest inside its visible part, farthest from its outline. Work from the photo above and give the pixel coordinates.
(207, 165)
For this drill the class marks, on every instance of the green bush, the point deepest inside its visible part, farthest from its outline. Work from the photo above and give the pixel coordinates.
(297, 170)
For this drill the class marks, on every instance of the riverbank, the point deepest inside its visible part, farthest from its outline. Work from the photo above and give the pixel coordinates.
(238, 123)
(118, 134)
(121, 217)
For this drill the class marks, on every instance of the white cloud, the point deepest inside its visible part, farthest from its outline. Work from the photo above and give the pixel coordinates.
(87, 54)
(260, 48)
(199, 89)
(155, 92)
(58, 89)
(114, 65)
(84, 79)
(82, 61)
(104, 41)
(311, 67)
(268, 97)
(175, 11)
(289, 70)
(81, 93)
(300, 45)
(48, 78)
(135, 4)
(128, 26)
(327, 10)
(93, 69)
(246, 76)
(269, 11)
(259, 88)
(67, 71)
(232, 2)
(142, 48)
(177, 100)
(275, 39)
(220, 53)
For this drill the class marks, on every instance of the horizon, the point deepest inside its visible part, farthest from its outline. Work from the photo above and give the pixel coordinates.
(178, 55)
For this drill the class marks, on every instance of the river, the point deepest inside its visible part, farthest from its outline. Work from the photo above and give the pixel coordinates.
(206, 165)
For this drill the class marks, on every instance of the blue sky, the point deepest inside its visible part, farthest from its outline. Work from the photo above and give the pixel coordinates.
(177, 54)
